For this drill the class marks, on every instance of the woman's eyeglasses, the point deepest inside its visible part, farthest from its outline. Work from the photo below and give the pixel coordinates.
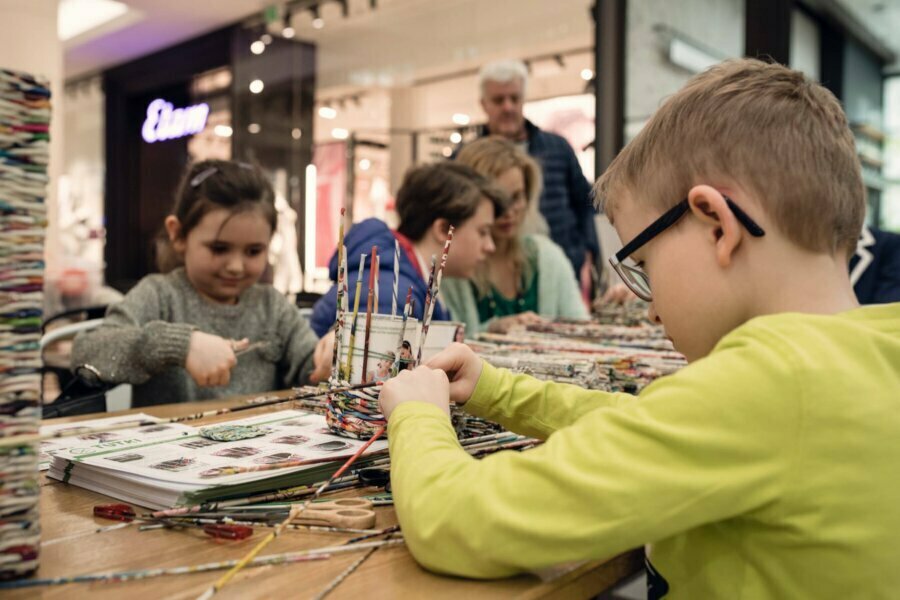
(635, 278)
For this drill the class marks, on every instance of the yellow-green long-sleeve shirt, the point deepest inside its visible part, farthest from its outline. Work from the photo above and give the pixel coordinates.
(768, 469)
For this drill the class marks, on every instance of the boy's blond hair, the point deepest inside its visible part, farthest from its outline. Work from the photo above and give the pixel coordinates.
(780, 136)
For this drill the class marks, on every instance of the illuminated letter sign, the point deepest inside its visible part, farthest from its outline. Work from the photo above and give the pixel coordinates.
(165, 123)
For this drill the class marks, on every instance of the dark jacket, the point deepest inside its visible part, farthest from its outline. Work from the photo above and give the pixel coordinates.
(875, 268)
(359, 240)
(566, 198)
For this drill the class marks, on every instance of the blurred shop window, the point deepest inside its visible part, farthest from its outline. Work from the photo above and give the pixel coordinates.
(890, 207)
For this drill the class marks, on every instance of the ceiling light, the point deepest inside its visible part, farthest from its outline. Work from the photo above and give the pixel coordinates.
(75, 17)
(256, 86)
(296, 133)
(365, 164)
(257, 47)
(456, 137)
(222, 130)
(254, 128)
(461, 118)
(587, 74)
(288, 32)
(447, 151)
(339, 133)
(318, 23)
(326, 112)
(266, 39)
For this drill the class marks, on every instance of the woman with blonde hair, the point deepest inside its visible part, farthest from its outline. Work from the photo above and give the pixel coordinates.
(528, 277)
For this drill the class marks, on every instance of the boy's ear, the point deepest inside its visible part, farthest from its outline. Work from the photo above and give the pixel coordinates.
(439, 229)
(709, 205)
(173, 230)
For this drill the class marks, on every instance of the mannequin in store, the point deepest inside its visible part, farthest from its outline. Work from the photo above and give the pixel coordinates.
(288, 277)
(430, 200)
(206, 328)
(528, 278)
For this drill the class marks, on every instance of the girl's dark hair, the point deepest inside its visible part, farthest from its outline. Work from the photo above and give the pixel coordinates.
(443, 191)
(214, 184)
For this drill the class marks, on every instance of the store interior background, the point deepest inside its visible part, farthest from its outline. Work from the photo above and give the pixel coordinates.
(370, 88)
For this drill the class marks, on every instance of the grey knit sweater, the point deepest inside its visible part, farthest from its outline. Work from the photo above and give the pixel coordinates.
(144, 341)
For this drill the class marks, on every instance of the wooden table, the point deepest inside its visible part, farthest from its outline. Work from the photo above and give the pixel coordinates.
(388, 573)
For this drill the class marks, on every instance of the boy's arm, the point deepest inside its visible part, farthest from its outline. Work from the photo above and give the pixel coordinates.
(533, 407)
(709, 443)
(134, 343)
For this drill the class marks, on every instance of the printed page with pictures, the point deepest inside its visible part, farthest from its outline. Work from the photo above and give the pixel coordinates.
(53, 446)
(184, 457)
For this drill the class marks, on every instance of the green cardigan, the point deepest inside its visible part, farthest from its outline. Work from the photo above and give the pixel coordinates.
(558, 293)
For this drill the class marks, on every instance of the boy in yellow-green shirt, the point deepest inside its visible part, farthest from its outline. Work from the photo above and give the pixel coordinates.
(767, 468)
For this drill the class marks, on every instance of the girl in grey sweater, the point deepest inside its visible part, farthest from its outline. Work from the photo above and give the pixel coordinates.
(178, 337)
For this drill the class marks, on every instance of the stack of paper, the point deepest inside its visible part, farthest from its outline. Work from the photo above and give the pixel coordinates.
(168, 465)
(24, 127)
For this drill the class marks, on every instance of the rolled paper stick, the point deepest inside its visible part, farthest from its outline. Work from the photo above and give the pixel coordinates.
(349, 369)
(339, 322)
(406, 309)
(377, 284)
(295, 511)
(339, 329)
(429, 300)
(429, 312)
(396, 278)
(373, 274)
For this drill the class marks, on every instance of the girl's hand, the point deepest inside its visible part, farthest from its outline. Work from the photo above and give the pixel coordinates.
(419, 385)
(210, 358)
(616, 294)
(463, 368)
(505, 324)
(322, 357)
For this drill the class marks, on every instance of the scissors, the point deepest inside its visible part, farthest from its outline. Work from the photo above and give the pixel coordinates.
(353, 513)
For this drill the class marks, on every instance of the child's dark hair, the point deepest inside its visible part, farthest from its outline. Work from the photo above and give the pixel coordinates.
(213, 184)
(448, 191)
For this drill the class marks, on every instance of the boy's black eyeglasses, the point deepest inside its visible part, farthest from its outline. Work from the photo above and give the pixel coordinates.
(636, 280)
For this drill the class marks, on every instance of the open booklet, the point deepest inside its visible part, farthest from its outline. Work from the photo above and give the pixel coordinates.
(166, 465)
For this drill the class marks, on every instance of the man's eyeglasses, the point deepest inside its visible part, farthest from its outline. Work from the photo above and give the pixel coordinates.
(636, 280)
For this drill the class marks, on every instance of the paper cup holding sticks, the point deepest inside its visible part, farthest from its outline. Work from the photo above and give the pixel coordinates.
(356, 413)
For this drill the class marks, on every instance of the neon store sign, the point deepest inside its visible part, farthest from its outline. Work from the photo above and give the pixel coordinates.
(164, 122)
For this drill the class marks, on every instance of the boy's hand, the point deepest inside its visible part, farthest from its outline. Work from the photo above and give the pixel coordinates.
(419, 385)
(211, 358)
(463, 368)
(322, 358)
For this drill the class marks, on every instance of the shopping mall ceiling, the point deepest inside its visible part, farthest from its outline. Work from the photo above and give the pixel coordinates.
(150, 25)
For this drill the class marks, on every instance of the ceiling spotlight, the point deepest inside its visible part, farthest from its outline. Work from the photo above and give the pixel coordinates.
(254, 128)
(587, 74)
(258, 47)
(288, 32)
(326, 112)
(256, 86)
(447, 151)
(456, 137)
(266, 39)
(461, 118)
(296, 133)
(339, 133)
(318, 23)
(365, 164)
(222, 130)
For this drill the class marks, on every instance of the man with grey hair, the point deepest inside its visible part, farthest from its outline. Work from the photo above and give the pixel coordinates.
(565, 200)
